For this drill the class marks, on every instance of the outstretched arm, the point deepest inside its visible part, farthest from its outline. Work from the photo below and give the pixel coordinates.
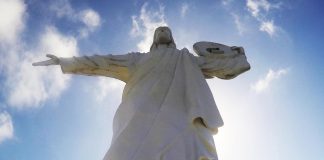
(116, 66)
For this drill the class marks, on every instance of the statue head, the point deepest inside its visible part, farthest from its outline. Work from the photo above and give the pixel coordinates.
(163, 35)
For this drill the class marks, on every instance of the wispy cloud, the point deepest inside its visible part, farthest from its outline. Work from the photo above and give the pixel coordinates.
(12, 20)
(144, 25)
(92, 21)
(268, 27)
(255, 6)
(106, 86)
(259, 10)
(89, 17)
(63, 8)
(6, 126)
(12, 23)
(238, 23)
(28, 86)
(24, 85)
(184, 9)
(265, 82)
(226, 2)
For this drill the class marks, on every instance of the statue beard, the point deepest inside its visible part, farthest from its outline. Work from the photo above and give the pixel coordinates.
(163, 38)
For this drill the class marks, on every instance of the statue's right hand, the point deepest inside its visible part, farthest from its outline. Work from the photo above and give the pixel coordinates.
(52, 61)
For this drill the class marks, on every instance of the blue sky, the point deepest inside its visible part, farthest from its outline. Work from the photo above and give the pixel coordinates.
(272, 112)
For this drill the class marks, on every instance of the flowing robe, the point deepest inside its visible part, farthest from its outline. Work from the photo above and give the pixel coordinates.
(167, 110)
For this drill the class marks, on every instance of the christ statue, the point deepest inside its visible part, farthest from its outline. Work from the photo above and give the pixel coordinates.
(167, 111)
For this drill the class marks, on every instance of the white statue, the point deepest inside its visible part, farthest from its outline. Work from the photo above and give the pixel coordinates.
(167, 110)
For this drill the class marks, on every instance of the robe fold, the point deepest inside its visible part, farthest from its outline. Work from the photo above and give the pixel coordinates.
(167, 110)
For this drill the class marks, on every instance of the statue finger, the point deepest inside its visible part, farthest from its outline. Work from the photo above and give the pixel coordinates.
(51, 56)
(45, 63)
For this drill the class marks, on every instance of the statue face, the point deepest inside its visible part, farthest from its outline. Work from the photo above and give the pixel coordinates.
(162, 35)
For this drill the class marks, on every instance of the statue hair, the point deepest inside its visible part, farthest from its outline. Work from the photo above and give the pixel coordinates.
(155, 44)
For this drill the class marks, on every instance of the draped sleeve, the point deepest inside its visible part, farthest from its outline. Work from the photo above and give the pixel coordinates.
(115, 66)
(223, 66)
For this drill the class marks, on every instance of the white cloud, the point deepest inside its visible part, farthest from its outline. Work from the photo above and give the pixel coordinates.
(226, 2)
(89, 17)
(6, 126)
(239, 22)
(239, 25)
(107, 86)
(259, 10)
(268, 27)
(24, 85)
(11, 20)
(145, 24)
(264, 83)
(62, 8)
(29, 86)
(255, 6)
(184, 9)
(135, 31)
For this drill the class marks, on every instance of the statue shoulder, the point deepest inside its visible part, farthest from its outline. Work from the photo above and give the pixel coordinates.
(184, 50)
(136, 54)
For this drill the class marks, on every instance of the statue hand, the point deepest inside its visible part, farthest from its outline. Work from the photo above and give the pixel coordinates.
(52, 61)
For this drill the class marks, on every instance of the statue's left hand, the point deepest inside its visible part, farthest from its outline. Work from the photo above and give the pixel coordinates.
(52, 61)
